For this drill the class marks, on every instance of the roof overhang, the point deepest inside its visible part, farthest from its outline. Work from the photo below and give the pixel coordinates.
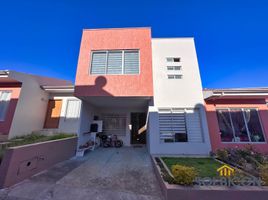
(59, 89)
(261, 93)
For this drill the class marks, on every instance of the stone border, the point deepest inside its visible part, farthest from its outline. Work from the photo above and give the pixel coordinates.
(24, 161)
(177, 192)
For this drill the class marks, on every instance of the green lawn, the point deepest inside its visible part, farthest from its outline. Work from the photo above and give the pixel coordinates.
(206, 167)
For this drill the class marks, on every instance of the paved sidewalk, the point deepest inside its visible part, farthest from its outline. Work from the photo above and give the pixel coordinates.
(124, 173)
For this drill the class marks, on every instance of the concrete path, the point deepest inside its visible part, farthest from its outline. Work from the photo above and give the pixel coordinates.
(124, 173)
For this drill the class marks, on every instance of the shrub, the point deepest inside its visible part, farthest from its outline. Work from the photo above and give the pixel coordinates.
(222, 154)
(264, 173)
(183, 175)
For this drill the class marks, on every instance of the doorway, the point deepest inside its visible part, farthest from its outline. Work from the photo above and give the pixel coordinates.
(53, 114)
(138, 120)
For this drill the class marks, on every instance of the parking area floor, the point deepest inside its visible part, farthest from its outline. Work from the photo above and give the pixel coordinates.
(124, 173)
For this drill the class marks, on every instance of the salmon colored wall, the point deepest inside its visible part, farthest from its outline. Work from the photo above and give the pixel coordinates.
(115, 85)
(213, 126)
(6, 124)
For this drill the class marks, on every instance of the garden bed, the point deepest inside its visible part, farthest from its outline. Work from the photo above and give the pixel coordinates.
(206, 166)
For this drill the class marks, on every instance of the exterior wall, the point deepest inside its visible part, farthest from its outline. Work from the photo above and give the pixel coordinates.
(22, 162)
(115, 85)
(176, 93)
(176, 148)
(185, 92)
(6, 124)
(86, 118)
(70, 125)
(214, 129)
(31, 107)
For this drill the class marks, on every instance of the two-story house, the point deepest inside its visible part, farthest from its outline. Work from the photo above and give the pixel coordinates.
(130, 80)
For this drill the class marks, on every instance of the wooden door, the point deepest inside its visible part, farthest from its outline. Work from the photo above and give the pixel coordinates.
(53, 114)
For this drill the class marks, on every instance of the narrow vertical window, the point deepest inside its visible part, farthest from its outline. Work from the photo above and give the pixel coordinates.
(98, 62)
(131, 62)
(225, 125)
(4, 102)
(72, 109)
(114, 62)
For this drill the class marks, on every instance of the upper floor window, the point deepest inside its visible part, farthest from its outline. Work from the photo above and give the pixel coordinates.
(240, 125)
(173, 59)
(115, 62)
(170, 68)
(4, 102)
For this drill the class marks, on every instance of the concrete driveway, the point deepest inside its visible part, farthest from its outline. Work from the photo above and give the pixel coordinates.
(124, 173)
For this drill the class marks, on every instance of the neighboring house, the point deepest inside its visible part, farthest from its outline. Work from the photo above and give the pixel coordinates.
(129, 80)
(237, 117)
(34, 103)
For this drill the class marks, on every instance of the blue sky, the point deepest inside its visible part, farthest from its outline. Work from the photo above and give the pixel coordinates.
(43, 37)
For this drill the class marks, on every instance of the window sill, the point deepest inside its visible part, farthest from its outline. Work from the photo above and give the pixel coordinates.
(244, 142)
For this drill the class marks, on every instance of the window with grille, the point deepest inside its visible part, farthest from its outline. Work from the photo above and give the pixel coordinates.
(180, 125)
(4, 102)
(115, 62)
(114, 124)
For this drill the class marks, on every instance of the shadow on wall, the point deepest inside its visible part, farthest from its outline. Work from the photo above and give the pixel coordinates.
(93, 90)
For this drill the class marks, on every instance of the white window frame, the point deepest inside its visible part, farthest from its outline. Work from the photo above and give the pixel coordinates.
(174, 76)
(233, 131)
(66, 109)
(7, 91)
(106, 63)
(171, 59)
(171, 111)
(174, 68)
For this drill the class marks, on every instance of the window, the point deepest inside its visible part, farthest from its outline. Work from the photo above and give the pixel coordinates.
(180, 125)
(173, 68)
(72, 109)
(114, 124)
(174, 76)
(115, 62)
(173, 59)
(240, 125)
(4, 102)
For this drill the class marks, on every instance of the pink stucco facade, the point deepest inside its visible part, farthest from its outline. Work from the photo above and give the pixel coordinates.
(5, 125)
(115, 85)
(214, 130)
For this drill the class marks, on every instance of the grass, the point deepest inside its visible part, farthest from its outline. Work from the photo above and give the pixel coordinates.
(206, 167)
(31, 139)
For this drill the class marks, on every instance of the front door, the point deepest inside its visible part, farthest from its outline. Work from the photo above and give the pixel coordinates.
(53, 114)
(138, 121)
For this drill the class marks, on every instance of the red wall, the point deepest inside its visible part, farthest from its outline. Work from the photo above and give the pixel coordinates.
(6, 124)
(213, 126)
(22, 162)
(115, 85)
